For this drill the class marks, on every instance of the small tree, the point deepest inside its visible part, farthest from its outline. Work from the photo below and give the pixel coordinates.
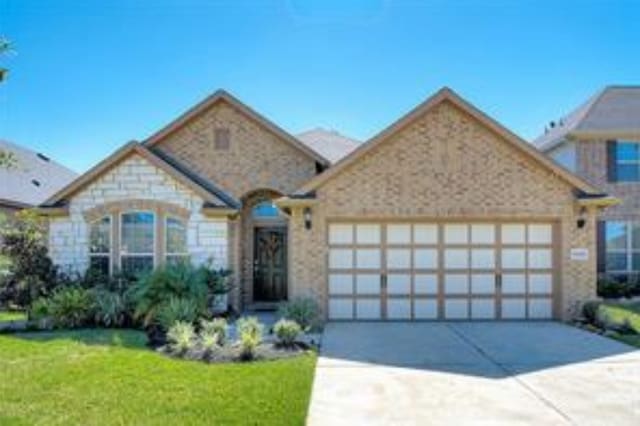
(31, 273)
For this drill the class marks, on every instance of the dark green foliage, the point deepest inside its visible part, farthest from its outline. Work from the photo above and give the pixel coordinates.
(616, 287)
(31, 273)
(71, 307)
(590, 311)
(305, 311)
(178, 309)
(111, 308)
(154, 291)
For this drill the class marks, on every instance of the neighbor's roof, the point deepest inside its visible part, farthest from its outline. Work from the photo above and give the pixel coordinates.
(212, 195)
(329, 143)
(613, 112)
(224, 96)
(446, 94)
(32, 179)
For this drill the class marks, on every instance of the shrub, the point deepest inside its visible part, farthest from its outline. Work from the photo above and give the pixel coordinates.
(70, 307)
(612, 287)
(39, 309)
(110, 308)
(590, 311)
(152, 291)
(180, 337)
(304, 311)
(177, 309)
(217, 326)
(217, 279)
(286, 331)
(208, 341)
(250, 331)
(30, 273)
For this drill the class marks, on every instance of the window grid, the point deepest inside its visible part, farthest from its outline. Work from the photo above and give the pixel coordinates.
(173, 253)
(100, 245)
(628, 250)
(136, 258)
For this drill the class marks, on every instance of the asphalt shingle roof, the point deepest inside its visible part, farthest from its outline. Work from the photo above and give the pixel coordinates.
(33, 178)
(329, 143)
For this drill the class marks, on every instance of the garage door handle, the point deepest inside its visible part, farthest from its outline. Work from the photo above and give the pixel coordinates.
(383, 280)
(499, 280)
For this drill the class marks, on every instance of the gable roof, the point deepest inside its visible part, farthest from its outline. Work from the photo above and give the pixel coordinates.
(612, 112)
(212, 195)
(223, 96)
(330, 143)
(32, 179)
(446, 94)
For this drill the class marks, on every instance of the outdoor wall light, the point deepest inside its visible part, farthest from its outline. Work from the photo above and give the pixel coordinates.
(306, 213)
(581, 219)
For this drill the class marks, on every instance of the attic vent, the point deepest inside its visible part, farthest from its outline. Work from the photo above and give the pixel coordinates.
(35, 182)
(221, 139)
(43, 157)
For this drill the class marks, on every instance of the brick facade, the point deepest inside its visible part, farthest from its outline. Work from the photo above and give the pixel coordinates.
(255, 159)
(446, 165)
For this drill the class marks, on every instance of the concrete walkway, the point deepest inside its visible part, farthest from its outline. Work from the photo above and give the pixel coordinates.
(471, 373)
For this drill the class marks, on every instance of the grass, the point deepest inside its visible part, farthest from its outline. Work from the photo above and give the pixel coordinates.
(618, 313)
(6, 316)
(108, 377)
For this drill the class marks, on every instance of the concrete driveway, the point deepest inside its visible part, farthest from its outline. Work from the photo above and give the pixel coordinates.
(464, 373)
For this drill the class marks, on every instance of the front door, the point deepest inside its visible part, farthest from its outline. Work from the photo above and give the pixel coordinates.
(270, 264)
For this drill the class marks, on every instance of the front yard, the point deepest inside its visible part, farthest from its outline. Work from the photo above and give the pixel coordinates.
(97, 376)
(618, 313)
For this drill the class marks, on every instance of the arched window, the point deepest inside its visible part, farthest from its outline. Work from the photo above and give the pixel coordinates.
(100, 245)
(175, 240)
(265, 210)
(137, 242)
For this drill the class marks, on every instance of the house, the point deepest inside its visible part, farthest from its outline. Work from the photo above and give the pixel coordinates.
(445, 214)
(30, 179)
(600, 142)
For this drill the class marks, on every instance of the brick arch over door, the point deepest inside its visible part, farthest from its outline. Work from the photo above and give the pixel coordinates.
(248, 224)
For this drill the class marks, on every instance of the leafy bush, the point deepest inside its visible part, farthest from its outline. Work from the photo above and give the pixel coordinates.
(208, 341)
(39, 309)
(70, 307)
(152, 291)
(111, 309)
(30, 272)
(590, 311)
(177, 309)
(286, 331)
(250, 331)
(181, 337)
(305, 311)
(217, 326)
(616, 287)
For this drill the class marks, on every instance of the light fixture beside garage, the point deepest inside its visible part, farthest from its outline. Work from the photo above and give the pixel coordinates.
(306, 213)
(582, 218)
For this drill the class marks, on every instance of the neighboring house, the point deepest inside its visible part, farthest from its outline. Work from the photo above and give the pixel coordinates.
(445, 214)
(600, 141)
(30, 179)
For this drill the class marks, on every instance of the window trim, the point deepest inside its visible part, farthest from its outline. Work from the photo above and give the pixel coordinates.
(166, 254)
(109, 253)
(628, 250)
(154, 253)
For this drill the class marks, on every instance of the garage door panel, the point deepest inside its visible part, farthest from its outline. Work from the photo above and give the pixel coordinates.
(540, 308)
(368, 284)
(340, 234)
(340, 284)
(399, 284)
(539, 234)
(514, 308)
(425, 309)
(340, 258)
(456, 284)
(456, 308)
(540, 283)
(368, 234)
(425, 258)
(456, 233)
(456, 258)
(425, 284)
(540, 258)
(340, 308)
(399, 233)
(483, 233)
(399, 258)
(399, 308)
(483, 308)
(425, 233)
(514, 283)
(483, 259)
(368, 258)
(368, 309)
(483, 283)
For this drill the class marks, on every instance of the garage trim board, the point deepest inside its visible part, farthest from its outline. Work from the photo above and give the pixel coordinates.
(430, 270)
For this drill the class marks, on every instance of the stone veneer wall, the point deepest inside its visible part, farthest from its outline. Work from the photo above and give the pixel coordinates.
(132, 180)
(446, 165)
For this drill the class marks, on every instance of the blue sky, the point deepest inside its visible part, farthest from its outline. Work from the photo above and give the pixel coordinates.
(88, 76)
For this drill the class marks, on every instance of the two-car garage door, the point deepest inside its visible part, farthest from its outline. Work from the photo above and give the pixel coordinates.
(427, 271)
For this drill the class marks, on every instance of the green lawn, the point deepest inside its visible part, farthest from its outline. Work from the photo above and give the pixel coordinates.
(92, 377)
(618, 312)
(12, 316)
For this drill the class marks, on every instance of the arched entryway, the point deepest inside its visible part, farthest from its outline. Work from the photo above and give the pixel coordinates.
(264, 250)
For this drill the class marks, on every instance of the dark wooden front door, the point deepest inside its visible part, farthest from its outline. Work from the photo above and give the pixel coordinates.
(270, 264)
